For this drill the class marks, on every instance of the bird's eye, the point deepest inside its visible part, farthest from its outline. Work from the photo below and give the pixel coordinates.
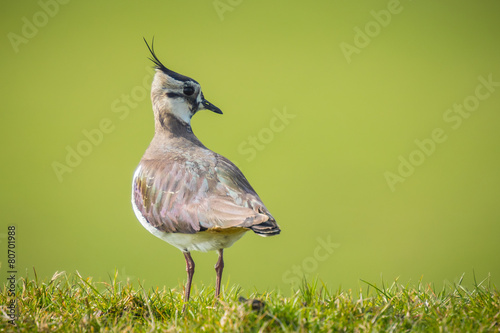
(188, 90)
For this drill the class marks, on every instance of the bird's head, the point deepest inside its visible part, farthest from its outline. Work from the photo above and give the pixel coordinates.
(175, 94)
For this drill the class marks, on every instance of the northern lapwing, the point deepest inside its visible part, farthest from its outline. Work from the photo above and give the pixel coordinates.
(184, 193)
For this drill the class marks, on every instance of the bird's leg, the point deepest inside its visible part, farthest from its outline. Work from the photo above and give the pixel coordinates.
(190, 273)
(219, 266)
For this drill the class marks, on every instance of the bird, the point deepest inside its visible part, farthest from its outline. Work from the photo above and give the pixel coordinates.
(185, 193)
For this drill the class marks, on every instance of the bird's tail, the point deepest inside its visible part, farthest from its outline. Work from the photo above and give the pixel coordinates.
(265, 229)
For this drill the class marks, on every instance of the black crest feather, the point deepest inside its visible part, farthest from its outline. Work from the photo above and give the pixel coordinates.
(153, 57)
(160, 66)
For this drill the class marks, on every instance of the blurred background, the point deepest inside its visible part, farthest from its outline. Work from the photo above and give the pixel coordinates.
(369, 129)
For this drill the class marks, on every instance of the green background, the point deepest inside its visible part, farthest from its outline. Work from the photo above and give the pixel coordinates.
(321, 173)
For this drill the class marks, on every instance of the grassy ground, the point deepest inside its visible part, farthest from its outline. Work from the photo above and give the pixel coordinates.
(72, 303)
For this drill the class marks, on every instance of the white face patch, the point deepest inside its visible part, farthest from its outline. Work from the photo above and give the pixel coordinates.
(198, 98)
(180, 109)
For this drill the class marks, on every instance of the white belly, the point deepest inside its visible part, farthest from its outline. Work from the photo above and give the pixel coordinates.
(203, 241)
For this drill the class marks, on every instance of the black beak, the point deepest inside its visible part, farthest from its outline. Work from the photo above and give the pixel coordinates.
(209, 106)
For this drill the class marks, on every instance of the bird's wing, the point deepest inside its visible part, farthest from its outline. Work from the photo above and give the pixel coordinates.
(239, 193)
(237, 188)
(183, 196)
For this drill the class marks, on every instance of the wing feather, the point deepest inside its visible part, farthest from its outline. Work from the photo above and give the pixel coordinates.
(185, 196)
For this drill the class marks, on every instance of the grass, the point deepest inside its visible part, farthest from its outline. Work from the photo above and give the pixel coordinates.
(71, 303)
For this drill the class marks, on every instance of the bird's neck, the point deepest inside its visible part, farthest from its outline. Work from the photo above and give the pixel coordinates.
(169, 124)
(172, 133)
